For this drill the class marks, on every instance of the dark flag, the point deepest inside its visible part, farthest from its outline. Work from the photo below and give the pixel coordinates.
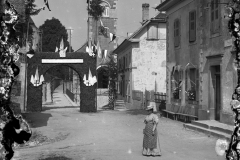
(46, 3)
(103, 30)
(112, 37)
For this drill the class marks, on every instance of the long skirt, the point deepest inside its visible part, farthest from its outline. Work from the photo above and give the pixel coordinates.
(151, 146)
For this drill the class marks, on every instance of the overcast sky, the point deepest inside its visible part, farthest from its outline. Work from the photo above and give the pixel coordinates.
(73, 14)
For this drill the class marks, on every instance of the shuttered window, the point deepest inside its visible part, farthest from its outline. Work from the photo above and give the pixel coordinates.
(192, 26)
(215, 18)
(176, 32)
(153, 31)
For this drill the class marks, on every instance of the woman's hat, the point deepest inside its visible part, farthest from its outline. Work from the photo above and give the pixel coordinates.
(149, 108)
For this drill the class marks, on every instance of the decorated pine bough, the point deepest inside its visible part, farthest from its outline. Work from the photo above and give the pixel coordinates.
(14, 129)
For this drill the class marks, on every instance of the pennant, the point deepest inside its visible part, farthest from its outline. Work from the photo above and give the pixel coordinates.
(41, 79)
(89, 50)
(105, 54)
(112, 37)
(61, 45)
(103, 30)
(56, 50)
(62, 51)
(99, 51)
(30, 55)
(89, 75)
(32, 80)
(36, 78)
(47, 4)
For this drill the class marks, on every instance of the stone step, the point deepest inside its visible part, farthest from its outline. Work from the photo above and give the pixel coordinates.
(207, 131)
(220, 127)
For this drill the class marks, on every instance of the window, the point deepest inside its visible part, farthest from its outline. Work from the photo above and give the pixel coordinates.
(106, 9)
(176, 32)
(215, 19)
(192, 26)
(106, 12)
(152, 31)
(191, 84)
(176, 84)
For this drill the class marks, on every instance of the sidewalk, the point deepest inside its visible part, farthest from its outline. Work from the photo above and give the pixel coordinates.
(60, 99)
(211, 128)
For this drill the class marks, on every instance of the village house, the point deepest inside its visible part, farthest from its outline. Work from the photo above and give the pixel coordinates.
(200, 76)
(142, 61)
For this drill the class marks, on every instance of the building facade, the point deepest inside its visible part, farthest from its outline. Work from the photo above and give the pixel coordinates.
(199, 58)
(109, 20)
(142, 60)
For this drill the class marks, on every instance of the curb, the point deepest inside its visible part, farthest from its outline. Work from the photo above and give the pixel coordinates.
(208, 132)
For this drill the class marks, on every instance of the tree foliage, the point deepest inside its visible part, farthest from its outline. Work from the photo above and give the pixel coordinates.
(96, 9)
(53, 32)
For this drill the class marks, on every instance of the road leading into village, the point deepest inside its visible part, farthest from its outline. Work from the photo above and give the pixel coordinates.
(110, 135)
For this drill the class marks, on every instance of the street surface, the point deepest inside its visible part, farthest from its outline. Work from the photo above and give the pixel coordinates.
(109, 135)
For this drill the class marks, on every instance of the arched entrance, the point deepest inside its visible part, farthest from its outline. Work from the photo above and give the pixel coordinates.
(60, 80)
(79, 61)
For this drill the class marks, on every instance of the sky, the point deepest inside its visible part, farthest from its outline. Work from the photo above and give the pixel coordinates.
(73, 15)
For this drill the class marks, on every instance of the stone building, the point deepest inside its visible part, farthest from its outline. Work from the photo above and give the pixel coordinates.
(109, 19)
(199, 58)
(142, 60)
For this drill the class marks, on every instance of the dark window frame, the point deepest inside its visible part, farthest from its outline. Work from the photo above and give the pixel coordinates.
(177, 33)
(192, 25)
(215, 16)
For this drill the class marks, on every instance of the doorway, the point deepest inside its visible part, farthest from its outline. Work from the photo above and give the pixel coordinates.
(216, 82)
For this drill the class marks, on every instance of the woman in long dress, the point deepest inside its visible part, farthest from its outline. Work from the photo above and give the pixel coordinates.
(151, 145)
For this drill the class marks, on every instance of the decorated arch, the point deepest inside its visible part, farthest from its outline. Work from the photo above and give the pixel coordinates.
(81, 62)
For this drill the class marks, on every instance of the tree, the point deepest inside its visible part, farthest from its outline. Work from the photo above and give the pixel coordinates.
(23, 25)
(95, 9)
(53, 32)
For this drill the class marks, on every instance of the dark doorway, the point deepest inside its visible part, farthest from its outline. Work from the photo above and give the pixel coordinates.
(216, 79)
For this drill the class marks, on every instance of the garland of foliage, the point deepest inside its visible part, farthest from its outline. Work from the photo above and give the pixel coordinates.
(233, 151)
(112, 93)
(10, 125)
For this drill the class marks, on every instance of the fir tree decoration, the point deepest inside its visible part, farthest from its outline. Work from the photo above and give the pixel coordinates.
(233, 151)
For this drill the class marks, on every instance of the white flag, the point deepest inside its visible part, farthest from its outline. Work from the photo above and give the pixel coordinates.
(32, 80)
(41, 79)
(99, 51)
(56, 50)
(105, 53)
(37, 76)
(90, 76)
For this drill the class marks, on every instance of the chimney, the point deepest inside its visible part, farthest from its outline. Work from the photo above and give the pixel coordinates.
(145, 11)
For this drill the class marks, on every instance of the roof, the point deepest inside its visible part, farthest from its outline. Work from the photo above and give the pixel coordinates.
(159, 17)
(83, 47)
(167, 4)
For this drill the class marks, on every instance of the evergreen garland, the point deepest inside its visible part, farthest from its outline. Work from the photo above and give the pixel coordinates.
(233, 151)
(112, 71)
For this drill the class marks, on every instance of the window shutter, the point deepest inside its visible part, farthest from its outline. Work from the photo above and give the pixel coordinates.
(192, 26)
(175, 37)
(217, 17)
(212, 16)
(177, 32)
(152, 32)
